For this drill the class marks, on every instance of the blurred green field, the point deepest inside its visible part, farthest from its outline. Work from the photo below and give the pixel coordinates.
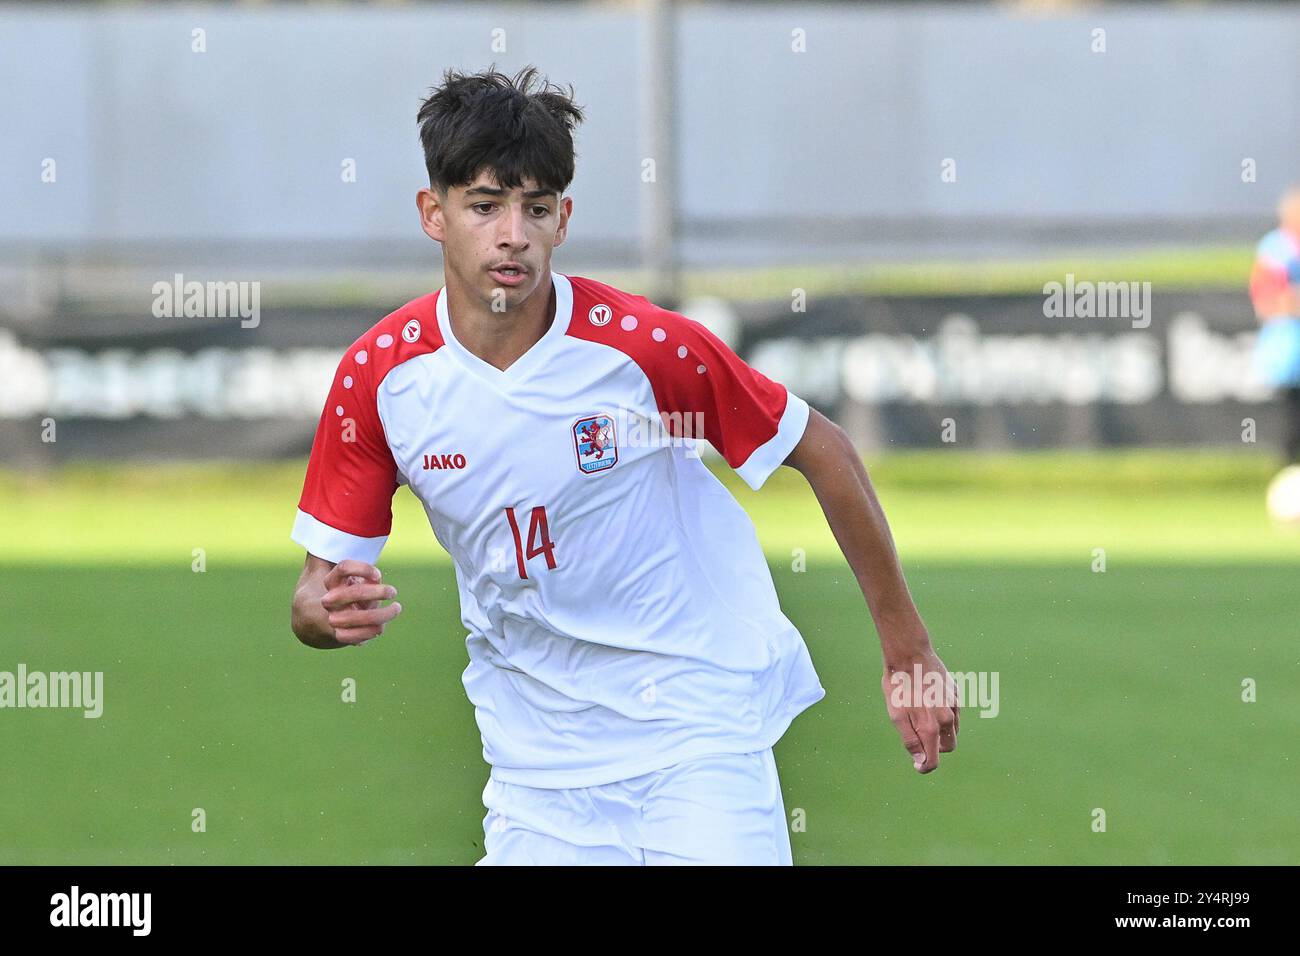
(1118, 690)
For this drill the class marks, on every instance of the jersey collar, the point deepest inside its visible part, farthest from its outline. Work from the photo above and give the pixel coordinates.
(535, 354)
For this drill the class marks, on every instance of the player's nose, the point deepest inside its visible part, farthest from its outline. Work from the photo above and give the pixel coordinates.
(513, 227)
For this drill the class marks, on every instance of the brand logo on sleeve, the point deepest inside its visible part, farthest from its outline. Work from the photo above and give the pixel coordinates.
(594, 441)
(600, 314)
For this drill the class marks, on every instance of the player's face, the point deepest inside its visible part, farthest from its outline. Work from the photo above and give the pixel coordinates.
(483, 227)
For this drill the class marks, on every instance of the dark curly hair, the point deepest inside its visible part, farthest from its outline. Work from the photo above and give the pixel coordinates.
(488, 120)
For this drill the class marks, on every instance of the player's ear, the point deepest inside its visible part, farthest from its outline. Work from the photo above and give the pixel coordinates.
(566, 210)
(430, 207)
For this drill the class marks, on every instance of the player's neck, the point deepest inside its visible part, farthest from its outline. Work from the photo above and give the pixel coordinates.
(501, 338)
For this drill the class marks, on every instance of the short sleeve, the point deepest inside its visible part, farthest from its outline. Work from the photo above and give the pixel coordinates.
(752, 421)
(345, 511)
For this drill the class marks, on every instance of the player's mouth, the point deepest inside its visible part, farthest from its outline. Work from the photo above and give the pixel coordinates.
(509, 274)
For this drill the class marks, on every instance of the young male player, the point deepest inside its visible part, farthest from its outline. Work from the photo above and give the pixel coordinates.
(630, 666)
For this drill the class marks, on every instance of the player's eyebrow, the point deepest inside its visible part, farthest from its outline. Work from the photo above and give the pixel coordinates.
(497, 191)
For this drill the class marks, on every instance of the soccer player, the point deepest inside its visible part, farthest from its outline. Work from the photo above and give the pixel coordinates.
(629, 664)
(1273, 282)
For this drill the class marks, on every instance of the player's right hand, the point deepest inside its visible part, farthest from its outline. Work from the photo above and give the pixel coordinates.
(353, 590)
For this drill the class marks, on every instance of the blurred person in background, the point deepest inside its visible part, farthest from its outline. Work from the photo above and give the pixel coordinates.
(1273, 292)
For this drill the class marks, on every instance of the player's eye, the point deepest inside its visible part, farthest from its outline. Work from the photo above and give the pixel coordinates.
(479, 204)
(542, 210)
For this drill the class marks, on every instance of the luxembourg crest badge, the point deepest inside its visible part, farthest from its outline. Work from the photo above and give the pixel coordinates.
(594, 441)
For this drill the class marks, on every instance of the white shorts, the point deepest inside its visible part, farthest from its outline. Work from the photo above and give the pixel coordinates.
(723, 809)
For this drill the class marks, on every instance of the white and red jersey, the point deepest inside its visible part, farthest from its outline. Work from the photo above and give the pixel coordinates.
(620, 613)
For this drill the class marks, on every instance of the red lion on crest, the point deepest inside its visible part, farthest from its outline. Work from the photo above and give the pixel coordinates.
(597, 436)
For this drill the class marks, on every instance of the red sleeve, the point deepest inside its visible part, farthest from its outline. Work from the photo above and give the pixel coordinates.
(346, 506)
(1267, 280)
(698, 381)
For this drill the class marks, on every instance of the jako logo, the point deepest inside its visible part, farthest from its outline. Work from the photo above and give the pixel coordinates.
(439, 462)
(102, 909)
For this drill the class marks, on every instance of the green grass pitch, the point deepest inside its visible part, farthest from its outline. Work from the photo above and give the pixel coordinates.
(1119, 690)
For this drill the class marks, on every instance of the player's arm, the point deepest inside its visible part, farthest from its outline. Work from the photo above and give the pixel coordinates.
(337, 605)
(345, 510)
(757, 425)
(826, 457)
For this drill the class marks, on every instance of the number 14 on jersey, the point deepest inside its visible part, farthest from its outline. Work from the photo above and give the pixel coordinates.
(539, 539)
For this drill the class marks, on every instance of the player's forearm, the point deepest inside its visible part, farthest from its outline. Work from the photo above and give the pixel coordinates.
(830, 463)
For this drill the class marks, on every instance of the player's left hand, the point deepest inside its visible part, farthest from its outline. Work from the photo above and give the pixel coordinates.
(921, 698)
